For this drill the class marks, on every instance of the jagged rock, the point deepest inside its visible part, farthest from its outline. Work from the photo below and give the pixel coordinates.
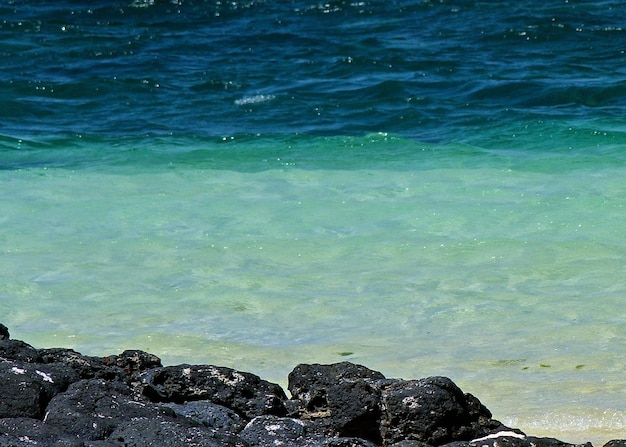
(210, 415)
(616, 443)
(130, 399)
(133, 362)
(124, 367)
(164, 432)
(4, 332)
(512, 438)
(407, 443)
(505, 438)
(18, 350)
(28, 387)
(18, 432)
(271, 431)
(243, 392)
(92, 409)
(432, 410)
(347, 442)
(307, 382)
(340, 397)
(268, 431)
(550, 442)
(101, 443)
(86, 367)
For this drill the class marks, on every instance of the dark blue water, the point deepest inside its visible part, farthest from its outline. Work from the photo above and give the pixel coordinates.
(433, 71)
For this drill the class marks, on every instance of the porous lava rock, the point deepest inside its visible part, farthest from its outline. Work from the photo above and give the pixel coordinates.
(57, 397)
(210, 415)
(432, 410)
(513, 438)
(243, 392)
(342, 398)
(163, 431)
(91, 409)
(26, 388)
(28, 432)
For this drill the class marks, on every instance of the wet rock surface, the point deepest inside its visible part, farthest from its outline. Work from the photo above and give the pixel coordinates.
(59, 397)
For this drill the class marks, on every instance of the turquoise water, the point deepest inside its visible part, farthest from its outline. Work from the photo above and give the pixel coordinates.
(502, 272)
(426, 188)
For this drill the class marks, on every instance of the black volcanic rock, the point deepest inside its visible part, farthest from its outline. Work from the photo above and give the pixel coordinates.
(512, 438)
(432, 410)
(59, 397)
(308, 381)
(86, 367)
(616, 443)
(133, 362)
(271, 431)
(18, 432)
(4, 332)
(18, 350)
(162, 431)
(243, 392)
(92, 409)
(268, 431)
(550, 442)
(342, 398)
(209, 414)
(26, 388)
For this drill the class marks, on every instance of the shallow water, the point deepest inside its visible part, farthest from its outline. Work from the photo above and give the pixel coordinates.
(423, 187)
(505, 279)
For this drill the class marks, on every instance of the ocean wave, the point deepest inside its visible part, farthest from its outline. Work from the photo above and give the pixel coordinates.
(255, 99)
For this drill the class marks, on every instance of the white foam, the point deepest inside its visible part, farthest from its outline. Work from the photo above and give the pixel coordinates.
(500, 434)
(254, 99)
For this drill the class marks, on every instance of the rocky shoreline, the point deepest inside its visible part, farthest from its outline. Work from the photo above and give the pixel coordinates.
(59, 397)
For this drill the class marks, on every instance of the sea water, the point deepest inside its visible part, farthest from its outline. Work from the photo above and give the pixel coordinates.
(425, 188)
